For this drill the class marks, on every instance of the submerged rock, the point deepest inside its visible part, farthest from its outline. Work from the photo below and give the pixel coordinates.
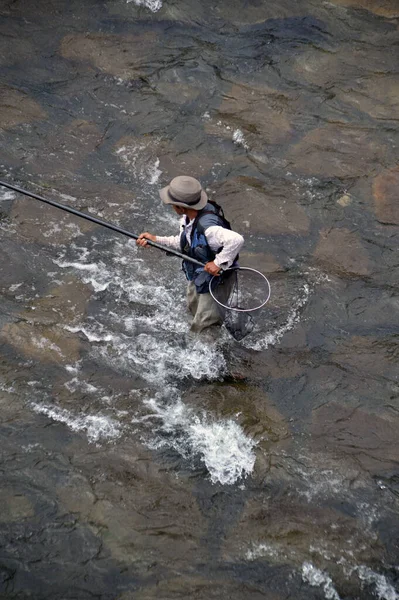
(178, 160)
(45, 224)
(386, 196)
(285, 529)
(368, 355)
(377, 96)
(337, 71)
(249, 406)
(63, 150)
(131, 499)
(121, 56)
(370, 439)
(22, 47)
(254, 11)
(333, 151)
(62, 304)
(14, 506)
(341, 251)
(178, 93)
(40, 333)
(261, 113)
(265, 263)
(46, 344)
(251, 206)
(17, 107)
(210, 586)
(384, 8)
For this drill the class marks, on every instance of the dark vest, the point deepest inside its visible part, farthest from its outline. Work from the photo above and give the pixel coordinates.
(199, 248)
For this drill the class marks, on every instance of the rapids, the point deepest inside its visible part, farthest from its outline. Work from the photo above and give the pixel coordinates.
(139, 461)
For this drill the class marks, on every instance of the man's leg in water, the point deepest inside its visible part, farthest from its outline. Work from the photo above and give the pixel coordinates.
(192, 298)
(205, 310)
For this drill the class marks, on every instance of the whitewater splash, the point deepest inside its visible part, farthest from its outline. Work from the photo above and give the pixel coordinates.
(152, 5)
(383, 589)
(280, 553)
(239, 139)
(139, 159)
(222, 446)
(155, 345)
(146, 334)
(6, 194)
(317, 578)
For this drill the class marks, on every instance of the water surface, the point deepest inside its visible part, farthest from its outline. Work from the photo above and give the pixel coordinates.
(139, 461)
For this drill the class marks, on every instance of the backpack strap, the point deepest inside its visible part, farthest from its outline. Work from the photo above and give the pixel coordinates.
(209, 218)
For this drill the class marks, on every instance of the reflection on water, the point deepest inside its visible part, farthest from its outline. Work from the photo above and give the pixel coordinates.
(139, 461)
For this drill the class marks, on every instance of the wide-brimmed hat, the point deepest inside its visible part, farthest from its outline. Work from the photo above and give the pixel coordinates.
(184, 191)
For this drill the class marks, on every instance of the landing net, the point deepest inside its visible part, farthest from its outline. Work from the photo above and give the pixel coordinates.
(240, 292)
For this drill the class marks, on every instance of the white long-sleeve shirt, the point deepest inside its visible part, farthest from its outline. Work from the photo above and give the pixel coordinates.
(216, 236)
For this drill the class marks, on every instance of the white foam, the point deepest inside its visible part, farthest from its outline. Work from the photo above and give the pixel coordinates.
(44, 344)
(76, 265)
(66, 197)
(260, 550)
(383, 589)
(322, 483)
(73, 368)
(53, 229)
(159, 359)
(91, 336)
(141, 161)
(239, 139)
(96, 427)
(222, 446)
(317, 578)
(74, 228)
(8, 226)
(101, 278)
(153, 5)
(7, 388)
(6, 195)
(161, 355)
(75, 384)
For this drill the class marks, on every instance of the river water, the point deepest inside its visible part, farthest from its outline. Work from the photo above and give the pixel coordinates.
(138, 461)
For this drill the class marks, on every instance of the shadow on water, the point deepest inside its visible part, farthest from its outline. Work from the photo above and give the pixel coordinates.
(139, 461)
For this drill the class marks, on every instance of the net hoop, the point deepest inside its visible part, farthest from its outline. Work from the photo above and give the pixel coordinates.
(242, 309)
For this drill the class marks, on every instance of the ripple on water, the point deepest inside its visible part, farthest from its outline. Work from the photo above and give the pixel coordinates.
(257, 341)
(97, 427)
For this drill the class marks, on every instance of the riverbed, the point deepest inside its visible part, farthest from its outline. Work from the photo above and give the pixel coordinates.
(140, 461)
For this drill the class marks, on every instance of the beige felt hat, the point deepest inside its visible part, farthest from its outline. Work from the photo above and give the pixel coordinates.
(184, 191)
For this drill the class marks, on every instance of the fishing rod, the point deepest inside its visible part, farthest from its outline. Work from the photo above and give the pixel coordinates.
(97, 221)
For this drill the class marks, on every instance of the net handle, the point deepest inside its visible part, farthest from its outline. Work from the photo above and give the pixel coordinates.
(242, 309)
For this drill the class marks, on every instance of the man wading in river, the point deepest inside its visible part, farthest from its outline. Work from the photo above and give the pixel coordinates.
(205, 235)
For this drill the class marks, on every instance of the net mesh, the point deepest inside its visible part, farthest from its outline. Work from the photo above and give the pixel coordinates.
(237, 291)
(238, 324)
